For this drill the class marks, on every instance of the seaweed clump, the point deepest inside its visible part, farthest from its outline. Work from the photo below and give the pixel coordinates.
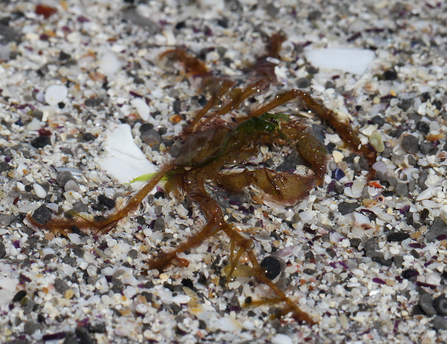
(217, 152)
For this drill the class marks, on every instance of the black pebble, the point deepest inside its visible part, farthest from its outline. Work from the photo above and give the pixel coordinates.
(42, 215)
(186, 282)
(272, 267)
(87, 137)
(19, 296)
(64, 56)
(145, 127)
(159, 224)
(378, 120)
(410, 144)
(423, 127)
(440, 304)
(41, 141)
(407, 274)
(108, 202)
(97, 328)
(177, 106)
(159, 194)
(397, 236)
(347, 207)
(390, 75)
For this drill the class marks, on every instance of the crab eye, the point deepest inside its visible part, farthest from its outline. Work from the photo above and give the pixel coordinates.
(271, 267)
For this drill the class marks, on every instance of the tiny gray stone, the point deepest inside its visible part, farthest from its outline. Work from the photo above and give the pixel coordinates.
(303, 83)
(63, 177)
(410, 144)
(159, 224)
(406, 104)
(133, 254)
(28, 307)
(272, 10)
(30, 327)
(290, 162)
(425, 147)
(60, 286)
(401, 189)
(439, 323)
(426, 303)
(4, 166)
(398, 261)
(146, 23)
(2, 250)
(437, 228)
(151, 137)
(8, 34)
(347, 207)
(422, 179)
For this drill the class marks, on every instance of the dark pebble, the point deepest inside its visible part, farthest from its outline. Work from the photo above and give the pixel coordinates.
(378, 120)
(383, 261)
(390, 75)
(309, 255)
(2, 250)
(151, 137)
(272, 10)
(4, 166)
(398, 261)
(87, 137)
(93, 102)
(303, 83)
(159, 224)
(108, 202)
(331, 253)
(42, 215)
(437, 228)
(19, 296)
(309, 272)
(355, 242)
(69, 261)
(271, 267)
(186, 282)
(28, 307)
(439, 323)
(426, 303)
(162, 130)
(329, 84)
(175, 150)
(425, 147)
(347, 207)
(63, 177)
(314, 15)
(405, 104)
(130, 15)
(133, 254)
(423, 178)
(417, 310)
(397, 236)
(83, 335)
(410, 144)
(440, 304)
(401, 189)
(145, 127)
(177, 106)
(97, 328)
(290, 162)
(423, 127)
(60, 286)
(30, 327)
(41, 141)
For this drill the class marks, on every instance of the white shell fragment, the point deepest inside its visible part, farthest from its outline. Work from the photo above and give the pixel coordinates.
(123, 159)
(55, 94)
(142, 108)
(355, 61)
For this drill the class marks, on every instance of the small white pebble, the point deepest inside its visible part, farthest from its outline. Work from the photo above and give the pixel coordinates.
(39, 190)
(281, 339)
(74, 238)
(142, 108)
(71, 186)
(109, 64)
(180, 299)
(433, 278)
(141, 308)
(55, 94)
